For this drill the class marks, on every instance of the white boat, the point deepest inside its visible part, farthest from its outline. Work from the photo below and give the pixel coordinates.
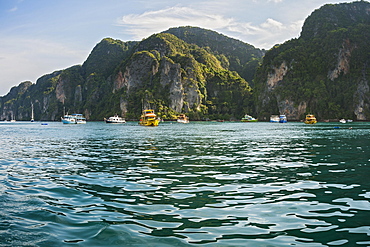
(182, 119)
(115, 119)
(73, 119)
(283, 119)
(274, 119)
(248, 118)
(342, 120)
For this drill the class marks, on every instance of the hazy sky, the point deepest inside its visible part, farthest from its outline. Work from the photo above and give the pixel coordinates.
(38, 37)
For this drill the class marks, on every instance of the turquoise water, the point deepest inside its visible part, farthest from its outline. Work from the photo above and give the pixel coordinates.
(198, 184)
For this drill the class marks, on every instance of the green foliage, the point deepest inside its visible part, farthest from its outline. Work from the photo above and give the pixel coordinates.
(214, 69)
(331, 34)
(233, 54)
(106, 55)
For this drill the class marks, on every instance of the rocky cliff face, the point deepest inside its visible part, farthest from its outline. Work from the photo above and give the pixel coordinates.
(362, 100)
(343, 64)
(206, 75)
(163, 72)
(276, 76)
(323, 72)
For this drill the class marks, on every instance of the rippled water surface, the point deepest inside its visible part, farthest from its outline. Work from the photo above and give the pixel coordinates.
(198, 184)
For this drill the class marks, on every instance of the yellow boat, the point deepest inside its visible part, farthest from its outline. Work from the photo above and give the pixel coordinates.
(310, 119)
(148, 118)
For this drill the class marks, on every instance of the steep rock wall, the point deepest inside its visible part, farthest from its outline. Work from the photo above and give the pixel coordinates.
(343, 58)
(142, 67)
(191, 90)
(59, 91)
(171, 75)
(362, 99)
(278, 75)
(292, 111)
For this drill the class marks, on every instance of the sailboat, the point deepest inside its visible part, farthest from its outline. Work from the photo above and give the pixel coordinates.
(12, 120)
(32, 117)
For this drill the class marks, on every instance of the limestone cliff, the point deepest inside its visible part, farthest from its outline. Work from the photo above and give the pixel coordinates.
(163, 72)
(324, 72)
(343, 64)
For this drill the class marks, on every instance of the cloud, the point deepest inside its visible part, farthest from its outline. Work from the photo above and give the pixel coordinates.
(272, 25)
(262, 35)
(13, 9)
(143, 25)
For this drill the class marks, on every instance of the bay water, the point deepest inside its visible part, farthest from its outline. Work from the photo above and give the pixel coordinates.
(196, 184)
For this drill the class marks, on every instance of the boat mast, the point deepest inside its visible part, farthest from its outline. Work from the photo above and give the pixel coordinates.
(32, 117)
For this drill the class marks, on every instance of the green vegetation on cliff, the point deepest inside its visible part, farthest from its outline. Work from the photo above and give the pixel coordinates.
(224, 94)
(235, 55)
(209, 76)
(324, 68)
(164, 71)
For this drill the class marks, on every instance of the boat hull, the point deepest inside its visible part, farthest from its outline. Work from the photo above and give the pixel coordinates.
(73, 119)
(310, 121)
(246, 120)
(73, 122)
(149, 122)
(149, 118)
(182, 119)
(274, 119)
(115, 120)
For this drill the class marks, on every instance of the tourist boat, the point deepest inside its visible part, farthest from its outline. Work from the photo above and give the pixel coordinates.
(282, 119)
(182, 119)
(310, 119)
(149, 118)
(248, 118)
(73, 119)
(274, 119)
(115, 119)
(342, 120)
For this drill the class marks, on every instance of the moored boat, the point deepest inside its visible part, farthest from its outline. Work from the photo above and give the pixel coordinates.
(115, 119)
(310, 119)
(149, 118)
(248, 118)
(274, 119)
(342, 120)
(182, 118)
(73, 119)
(283, 119)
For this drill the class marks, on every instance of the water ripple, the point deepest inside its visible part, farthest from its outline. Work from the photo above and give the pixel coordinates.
(215, 184)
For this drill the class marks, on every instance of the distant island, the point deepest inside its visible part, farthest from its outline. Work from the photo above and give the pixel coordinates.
(207, 75)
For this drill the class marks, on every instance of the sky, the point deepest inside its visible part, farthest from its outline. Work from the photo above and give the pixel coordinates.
(38, 37)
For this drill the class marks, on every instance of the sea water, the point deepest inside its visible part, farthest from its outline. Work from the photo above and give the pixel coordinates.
(196, 184)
